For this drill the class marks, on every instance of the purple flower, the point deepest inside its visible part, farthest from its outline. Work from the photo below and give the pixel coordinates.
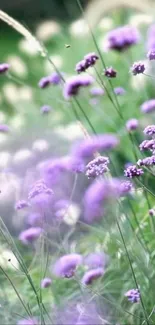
(66, 265)
(92, 275)
(45, 109)
(137, 68)
(91, 58)
(151, 55)
(148, 161)
(133, 295)
(73, 85)
(148, 106)
(133, 171)
(122, 38)
(110, 72)
(39, 188)
(22, 204)
(44, 82)
(96, 91)
(150, 130)
(28, 321)
(89, 146)
(132, 124)
(46, 282)
(81, 66)
(119, 91)
(55, 78)
(97, 167)
(125, 187)
(4, 128)
(152, 212)
(4, 67)
(29, 235)
(147, 145)
(95, 260)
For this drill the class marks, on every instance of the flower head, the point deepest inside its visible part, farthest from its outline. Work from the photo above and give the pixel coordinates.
(150, 130)
(45, 109)
(122, 38)
(44, 82)
(97, 166)
(91, 58)
(66, 265)
(137, 68)
(133, 295)
(46, 282)
(29, 235)
(81, 66)
(73, 85)
(148, 106)
(133, 171)
(148, 161)
(55, 78)
(4, 67)
(110, 72)
(39, 188)
(22, 204)
(151, 55)
(92, 275)
(119, 91)
(147, 145)
(132, 124)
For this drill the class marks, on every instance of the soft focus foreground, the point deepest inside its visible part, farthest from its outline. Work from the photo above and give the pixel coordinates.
(77, 138)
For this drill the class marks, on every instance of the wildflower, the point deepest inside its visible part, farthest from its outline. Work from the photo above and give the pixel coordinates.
(122, 38)
(4, 128)
(55, 78)
(29, 235)
(88, 61)
(27, 321)
(95, 260)
(151, 55)
(66, 265)
(39, 188)
(147, 145)
(148, 106)
(150, 130)
(110, 72)
(46, 282)
(21, 205)
(45, 109)
(92, 275)
(4, 67)
(133, 295)
(89, 146)
(96, 91)
(152, 212)
(125, 187)
(73, 85)
(137, 68)
(149, 161)
(97, 166)
(81, 66)
(44, 82)
(133, 171)
(119, 91)
(132, 124)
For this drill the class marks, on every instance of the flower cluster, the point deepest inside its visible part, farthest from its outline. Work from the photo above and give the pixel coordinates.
(110, 72)
(133, 171)
(88, 61)
(137, 68)
(73, 85)
(133, 295)
(122, 38)
(97, 167)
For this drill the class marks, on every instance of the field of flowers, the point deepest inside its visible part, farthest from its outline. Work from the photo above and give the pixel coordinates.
(77, 156)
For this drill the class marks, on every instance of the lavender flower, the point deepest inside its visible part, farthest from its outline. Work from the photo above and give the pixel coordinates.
(132, 124)
(119, 91)
(4, 67)
(88, 61)
(44, 82)
(73, 85)
(110, 72)
(28, 321)
(66, 265)
(29, 235)
(133, 171)
(149, 161)
(22, 204)
(137, 68)
(148, 106)
(81, 66)
(152, 212)
(147, 145)
(97, 166)
(96, 91)
(39, 188)
(92, 275)
(150, 130)
(46, 282)
(45, 109)
(4, 128)
(151, 55)
(122, 38)
(95, 260)
(125, 187)
(89, 146)
(133, 295)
